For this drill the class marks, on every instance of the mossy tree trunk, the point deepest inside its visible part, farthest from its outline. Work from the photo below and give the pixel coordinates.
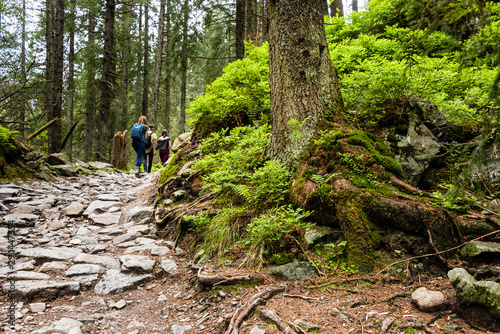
(304, 85)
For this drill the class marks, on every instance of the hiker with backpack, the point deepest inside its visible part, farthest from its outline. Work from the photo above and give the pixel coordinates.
(150, 148)
(163, 146)
(138, 136)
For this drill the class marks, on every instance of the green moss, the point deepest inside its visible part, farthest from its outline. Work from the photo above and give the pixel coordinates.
(170, 169)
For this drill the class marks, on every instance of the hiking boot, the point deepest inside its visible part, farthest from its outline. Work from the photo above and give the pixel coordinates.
(137, 175)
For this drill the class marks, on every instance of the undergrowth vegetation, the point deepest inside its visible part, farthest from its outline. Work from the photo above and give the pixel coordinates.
(381, 59)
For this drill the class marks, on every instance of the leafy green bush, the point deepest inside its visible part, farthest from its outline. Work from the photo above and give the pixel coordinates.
(241, 92)
(7, 138)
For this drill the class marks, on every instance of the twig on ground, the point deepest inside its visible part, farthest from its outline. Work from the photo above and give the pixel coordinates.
(215, 280)
(242, 312)
(270, 315)
(442, 259)
(363, 278)
(438, 253)
(302, 297)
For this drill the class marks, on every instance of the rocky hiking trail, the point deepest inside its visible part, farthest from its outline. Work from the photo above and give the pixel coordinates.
(87, 260)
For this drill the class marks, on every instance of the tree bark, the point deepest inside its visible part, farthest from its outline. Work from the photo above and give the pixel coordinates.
(158, 61)
(71, 80)
(145, 72)
(354, 5)
(22, 116)
(139, 68)
(184, 59)
(240, 29)
(304, 85)
(336, 7)
(54, 132)
(168, 66)
(107, 82)
(90, 103)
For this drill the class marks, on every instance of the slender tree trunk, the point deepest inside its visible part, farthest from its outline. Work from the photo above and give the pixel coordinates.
(254, 19)
(184, 59)
(168, 68)
(336, 6)
(158, 60)
(54, 132)
(138, 99)
(23, 70)
(240, 29)
(107, 82)
(49, 61)
(71, 81)
(145, 84)
(128, 19)
(354, 5)
(249, 29)
(91, 91)
(303, 82)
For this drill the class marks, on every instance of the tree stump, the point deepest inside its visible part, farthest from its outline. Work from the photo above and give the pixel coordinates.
(119, 155)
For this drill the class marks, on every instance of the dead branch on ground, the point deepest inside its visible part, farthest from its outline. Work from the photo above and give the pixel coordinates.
(37, 132)
(271, 315)
(215, 280)
(245, 310)
(301, 297)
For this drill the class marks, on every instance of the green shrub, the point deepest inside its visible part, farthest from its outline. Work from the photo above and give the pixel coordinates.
(242, 91)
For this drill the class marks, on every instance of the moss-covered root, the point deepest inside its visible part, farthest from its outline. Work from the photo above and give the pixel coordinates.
(355, 225)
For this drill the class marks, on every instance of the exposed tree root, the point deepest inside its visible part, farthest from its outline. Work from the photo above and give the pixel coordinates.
(271, 315)
(245, 310)
(409, 189)
(214, 280)
(301, 297)
(345, 280)
(438, 253)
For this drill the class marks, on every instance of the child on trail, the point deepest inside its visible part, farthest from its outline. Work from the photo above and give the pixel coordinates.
(163, 146)
(150, 151)
(138, 135)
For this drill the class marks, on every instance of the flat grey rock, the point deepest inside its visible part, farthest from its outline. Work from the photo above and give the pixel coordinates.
(124, 238)
(50, 253)
(21, 219)
(85, 240)
(97, 207)
(142, 229)
(62, 326)
(111, 231)
(114, 281)
(29, 290)
(105, 219)
(476, 248)
(9, 192)
(84, 269)
(75, 209)
(28, 276)
(53, 266)
(99, 165)
(108, 197)
(137, 214)
(106, 261)
(295, 271)
(160, 250)
(137, 263)
(179, 329)
(169, 266)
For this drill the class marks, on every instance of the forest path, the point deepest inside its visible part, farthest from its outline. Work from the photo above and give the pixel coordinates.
(88, 261)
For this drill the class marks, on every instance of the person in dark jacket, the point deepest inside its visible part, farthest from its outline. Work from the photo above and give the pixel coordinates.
(163, 146)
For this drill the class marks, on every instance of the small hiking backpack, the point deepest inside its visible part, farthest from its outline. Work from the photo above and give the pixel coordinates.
(148, 140)
(137, 131)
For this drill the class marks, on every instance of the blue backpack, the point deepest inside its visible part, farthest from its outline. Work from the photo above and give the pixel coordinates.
(137, 132)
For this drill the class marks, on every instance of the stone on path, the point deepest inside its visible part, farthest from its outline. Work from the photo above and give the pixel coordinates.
(50, 253)
(9, 192)
(62, 326)
(75, 209)
(426, 300)
(106, 261)
(178, 329)
(114, 281)
(99, 165)
(476, 248)
(37, 307)
(99, 207)
(48, 290)
(28, 276)
(108, 197)
(21, 219)
(53, 266)
(169, 266)
(84, 269)
(137, 263)
(138, 214)
(105, 219)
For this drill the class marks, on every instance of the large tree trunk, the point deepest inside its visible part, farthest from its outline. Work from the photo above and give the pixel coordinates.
(107, 82)
(304, 85)
(91, 91)
(354, 5)
(157, 71)
(240, 29)
(145, 73)
(336, 7)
